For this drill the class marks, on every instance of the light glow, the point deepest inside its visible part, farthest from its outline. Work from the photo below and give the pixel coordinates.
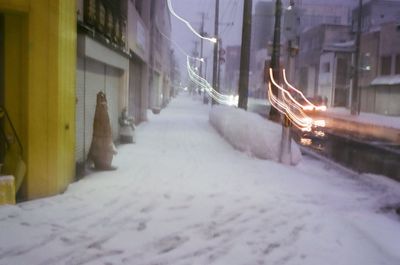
(305, 141)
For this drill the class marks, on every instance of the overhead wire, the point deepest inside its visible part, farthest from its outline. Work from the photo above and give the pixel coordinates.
(221, 98)
(213, 40)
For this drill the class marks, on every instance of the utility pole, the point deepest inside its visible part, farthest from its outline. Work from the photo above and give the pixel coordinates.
(216, 48)
(285, 156)
(220, 48)
(274, 114)
(202, 33)
(355, 94)
(245, 55)
(195, 53)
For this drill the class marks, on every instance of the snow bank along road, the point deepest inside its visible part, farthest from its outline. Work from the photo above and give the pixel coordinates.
(182, 195)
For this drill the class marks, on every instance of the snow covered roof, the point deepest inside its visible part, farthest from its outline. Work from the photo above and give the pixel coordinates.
(386, 80)
(347, 46)
(349, 43)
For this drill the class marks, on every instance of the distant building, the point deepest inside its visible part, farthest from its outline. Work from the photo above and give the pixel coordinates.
(380, 70)
(379, 73)
(314, 42)
(309, 14)
(263, 21)
(376, 13)
(314, 13)
(334, 73)
(257, 85)
(232, 68)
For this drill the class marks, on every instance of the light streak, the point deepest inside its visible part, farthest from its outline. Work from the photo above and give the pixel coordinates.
(301, 121)
(290, 107)
(229, 100)
(213, 40)
(310, 105)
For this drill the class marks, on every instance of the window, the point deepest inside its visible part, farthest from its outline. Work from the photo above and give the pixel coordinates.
(397, 66)
(326, 67)
(386, 63)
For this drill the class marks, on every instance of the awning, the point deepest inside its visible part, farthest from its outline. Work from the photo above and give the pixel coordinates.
(386, 80)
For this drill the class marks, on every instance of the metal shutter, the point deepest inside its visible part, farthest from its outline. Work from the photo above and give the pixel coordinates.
(94, 82)
(113, 85)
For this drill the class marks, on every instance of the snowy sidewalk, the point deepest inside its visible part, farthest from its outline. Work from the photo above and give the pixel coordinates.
(182, 195)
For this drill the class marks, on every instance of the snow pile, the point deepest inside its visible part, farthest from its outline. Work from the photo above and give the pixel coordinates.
(250, 133)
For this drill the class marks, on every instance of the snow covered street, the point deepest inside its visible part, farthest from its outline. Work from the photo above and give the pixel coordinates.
(183, 195)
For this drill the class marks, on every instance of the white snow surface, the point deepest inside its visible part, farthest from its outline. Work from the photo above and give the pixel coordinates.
(250, 133)
(183, 195)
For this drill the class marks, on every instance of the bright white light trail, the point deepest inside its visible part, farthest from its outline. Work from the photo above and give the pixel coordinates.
(304, 123)
(290, 107)
(213, 40)
(310, 105)
(220, 98)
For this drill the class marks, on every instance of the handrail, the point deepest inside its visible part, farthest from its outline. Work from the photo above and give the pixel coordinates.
(3, 112)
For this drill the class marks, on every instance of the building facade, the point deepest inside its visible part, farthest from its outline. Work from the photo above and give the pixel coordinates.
(313, 43)
(334, 84)
(55, 56)
(307, 15)
(103, 61)
(38, 91)
(123, 51)
(379, 74)
(380, 71)
(160, 56)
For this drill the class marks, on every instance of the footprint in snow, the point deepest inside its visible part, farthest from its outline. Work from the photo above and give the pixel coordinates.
(142, 226)
(147, 209)
(271, 247)
(170, 243)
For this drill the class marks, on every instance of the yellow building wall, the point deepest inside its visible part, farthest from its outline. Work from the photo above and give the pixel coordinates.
(40, 89)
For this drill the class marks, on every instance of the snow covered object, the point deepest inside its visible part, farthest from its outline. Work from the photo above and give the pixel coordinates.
(250, 133)
(102, 148)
